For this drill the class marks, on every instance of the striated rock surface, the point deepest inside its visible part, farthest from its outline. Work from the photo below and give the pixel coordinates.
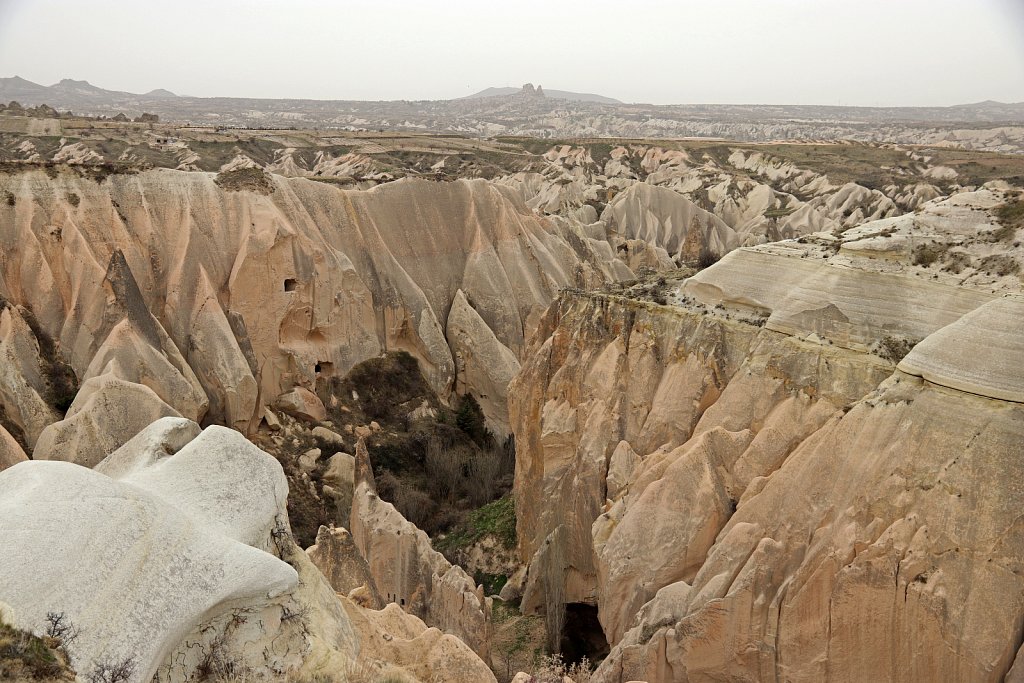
(667, 219)
(338, 559)
(23, 388)
(981, 353)
(220, 301)
(483, 365)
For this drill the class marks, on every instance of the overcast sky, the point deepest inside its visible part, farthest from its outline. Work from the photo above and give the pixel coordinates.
(853, 52)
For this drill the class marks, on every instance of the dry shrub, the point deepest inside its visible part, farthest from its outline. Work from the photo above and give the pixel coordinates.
(894, 348)
(551, 669)
(925, 255)
(415, 505)
(999, 264)
(245, 180)
(446, 463)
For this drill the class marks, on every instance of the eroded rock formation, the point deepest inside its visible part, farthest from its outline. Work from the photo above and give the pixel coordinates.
(409, 572)
(211, 303)
(748, 486)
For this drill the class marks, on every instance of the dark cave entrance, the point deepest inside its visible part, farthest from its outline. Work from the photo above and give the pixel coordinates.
(582, 635)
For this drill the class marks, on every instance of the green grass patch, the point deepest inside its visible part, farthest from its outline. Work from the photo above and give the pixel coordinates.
(492, 583)
(496, 519)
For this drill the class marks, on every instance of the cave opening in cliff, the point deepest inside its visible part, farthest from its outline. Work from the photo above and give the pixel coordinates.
(582, 635)
(291, 284)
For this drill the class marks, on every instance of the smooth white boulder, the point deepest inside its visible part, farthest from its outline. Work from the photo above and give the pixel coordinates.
(140, 559)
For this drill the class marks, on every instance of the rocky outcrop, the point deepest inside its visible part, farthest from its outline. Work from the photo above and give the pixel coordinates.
(171, 566)
(23, 388)
(483, 365)
(667, 219)
(336, 556)
(746, 484)
(106, 413)
(132, 534)
(409, 572)
(981, 353)
(302, 404)
(394, 636)
(11, 451)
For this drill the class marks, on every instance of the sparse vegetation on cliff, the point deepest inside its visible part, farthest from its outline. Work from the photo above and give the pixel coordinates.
(24, 656)
(895, 348)
(432, 462)
(245, 179)
(497, 519)
(61, 381)
(1011, 215)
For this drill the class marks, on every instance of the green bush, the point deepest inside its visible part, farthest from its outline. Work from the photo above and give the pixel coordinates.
(470, 419)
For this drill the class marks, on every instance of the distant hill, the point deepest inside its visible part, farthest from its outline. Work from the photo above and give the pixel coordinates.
(17, 88)
(556, 94)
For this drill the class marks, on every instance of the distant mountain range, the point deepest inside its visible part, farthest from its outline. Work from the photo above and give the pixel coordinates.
(67, 90)
(557, 114)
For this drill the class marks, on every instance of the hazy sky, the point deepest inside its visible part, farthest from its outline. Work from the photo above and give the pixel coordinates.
(865, 52)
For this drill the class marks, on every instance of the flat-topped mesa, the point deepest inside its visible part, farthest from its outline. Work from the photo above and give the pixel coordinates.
(876, 281)
(851, 307)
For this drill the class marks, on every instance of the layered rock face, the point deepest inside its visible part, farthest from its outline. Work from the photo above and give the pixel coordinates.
(171, 295)
(746, 484)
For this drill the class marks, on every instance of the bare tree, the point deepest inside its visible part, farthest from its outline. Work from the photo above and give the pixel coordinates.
(444, 463)
(484, 469)
(113, 672)
(59, 626)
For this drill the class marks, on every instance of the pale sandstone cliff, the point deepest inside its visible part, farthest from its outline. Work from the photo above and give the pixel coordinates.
(746, 489)
(211, 303)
